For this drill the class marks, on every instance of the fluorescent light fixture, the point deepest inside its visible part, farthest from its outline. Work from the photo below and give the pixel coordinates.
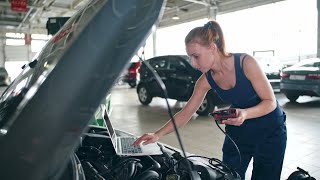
(175, 17)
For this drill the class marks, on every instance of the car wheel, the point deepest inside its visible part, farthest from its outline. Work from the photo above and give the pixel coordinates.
(132, 84)
(206, 107)
(292, 97)
(144, 96)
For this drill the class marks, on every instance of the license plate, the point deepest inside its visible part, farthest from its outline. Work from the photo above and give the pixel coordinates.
(297, 77)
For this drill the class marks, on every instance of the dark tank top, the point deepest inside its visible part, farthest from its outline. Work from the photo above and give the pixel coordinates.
(242, 95)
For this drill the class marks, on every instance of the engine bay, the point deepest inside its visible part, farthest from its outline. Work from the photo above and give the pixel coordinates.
(98, 160)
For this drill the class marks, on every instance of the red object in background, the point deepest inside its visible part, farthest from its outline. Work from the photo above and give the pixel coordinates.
(19, 5)
(131, 76)
(27, 39)
(133, 70)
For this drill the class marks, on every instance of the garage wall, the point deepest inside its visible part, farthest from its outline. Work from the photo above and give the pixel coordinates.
(17, 53)
(15, 58)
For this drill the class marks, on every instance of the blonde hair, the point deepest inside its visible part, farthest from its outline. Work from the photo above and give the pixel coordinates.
(205, 35)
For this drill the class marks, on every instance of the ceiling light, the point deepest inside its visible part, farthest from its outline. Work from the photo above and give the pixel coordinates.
(175, 17)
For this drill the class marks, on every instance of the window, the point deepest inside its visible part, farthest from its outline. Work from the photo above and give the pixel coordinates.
(37, 45)
(316, 64)
(15, 42)
(176, 63)
(158, 63)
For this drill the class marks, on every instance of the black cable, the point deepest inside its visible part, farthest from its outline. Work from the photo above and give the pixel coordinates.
(172, 149)
(120, 164)
(163, 88)
(240, 159)
(216, 166)
(305, 172)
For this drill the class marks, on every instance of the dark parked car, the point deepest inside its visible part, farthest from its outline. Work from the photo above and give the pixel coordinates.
(131, 75)
(4, 77)
(45, 112)
(179, 78)
(301, 79)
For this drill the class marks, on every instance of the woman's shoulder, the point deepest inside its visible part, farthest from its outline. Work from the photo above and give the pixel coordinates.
(240, 54)
(245, 58)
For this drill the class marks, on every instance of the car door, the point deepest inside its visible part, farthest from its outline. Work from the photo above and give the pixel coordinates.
(179, 79)
(160, 65)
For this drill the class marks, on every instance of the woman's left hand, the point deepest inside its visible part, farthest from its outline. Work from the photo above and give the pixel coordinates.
(237, 121)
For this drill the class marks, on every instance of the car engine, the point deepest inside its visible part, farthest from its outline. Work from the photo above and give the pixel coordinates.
(99, 161)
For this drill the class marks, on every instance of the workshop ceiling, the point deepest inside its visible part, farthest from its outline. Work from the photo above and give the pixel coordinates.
(34, 19)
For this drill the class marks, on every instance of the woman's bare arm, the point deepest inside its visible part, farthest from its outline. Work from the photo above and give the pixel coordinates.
(262, 87)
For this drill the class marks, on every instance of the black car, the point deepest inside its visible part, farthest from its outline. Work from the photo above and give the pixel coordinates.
(45, 114)
(179, 78)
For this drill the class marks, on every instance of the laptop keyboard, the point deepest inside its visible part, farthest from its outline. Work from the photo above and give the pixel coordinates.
(127, 147)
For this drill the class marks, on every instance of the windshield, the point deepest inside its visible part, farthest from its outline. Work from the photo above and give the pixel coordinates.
(308, 63)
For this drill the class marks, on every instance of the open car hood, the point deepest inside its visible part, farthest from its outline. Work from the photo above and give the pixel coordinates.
(48, 106)
(45, 112)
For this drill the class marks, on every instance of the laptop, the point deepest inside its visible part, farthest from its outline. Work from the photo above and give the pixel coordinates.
(123, 145)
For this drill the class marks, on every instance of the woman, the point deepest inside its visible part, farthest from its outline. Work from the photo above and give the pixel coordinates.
(259, 129)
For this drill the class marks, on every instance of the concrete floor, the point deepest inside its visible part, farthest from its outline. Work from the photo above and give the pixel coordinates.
(201, 136)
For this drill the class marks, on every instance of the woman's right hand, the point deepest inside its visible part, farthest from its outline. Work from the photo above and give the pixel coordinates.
(146, 139)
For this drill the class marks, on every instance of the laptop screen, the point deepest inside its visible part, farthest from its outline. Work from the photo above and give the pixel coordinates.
(112, 133)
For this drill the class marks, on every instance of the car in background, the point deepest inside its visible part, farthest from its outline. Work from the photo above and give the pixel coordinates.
(301, 79)
(272, 69)
(179, 78)
(131, 74)
(4, 77)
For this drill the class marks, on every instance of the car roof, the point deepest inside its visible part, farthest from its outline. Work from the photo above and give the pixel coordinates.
(169, 56)
(182, 56)
(90, 50)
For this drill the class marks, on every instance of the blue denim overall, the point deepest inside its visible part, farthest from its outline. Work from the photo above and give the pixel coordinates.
(263, 139)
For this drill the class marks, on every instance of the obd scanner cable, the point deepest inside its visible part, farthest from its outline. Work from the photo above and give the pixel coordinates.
(216, 164)
(226, 134)
(163, 88)
(219, 120)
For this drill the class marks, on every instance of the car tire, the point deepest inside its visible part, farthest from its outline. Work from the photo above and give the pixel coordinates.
(206, 107)
(132, 84)
(144, 96)
(292, 97)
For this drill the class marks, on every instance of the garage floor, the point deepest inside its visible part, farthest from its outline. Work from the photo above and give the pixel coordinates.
(201, 136)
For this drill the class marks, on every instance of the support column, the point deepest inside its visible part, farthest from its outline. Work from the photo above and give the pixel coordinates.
(212, 12)
(318, 36)
(154, 41)
(2, 49)
(27, 42)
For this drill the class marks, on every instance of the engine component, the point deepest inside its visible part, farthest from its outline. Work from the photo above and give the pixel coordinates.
(99, 161)
(300, 174)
